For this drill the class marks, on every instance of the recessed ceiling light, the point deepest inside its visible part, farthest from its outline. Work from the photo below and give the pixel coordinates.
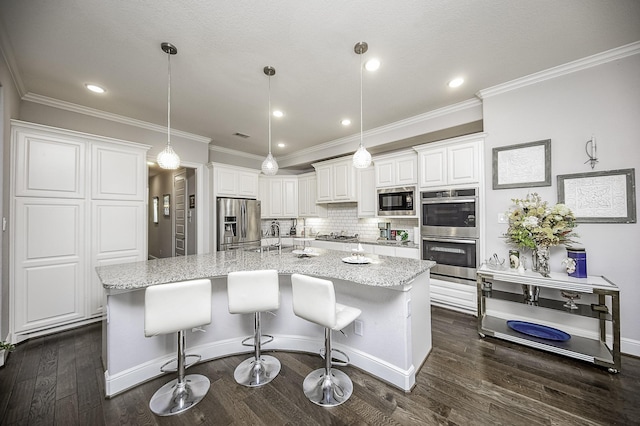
(346, 122)
(94, 88)
(281, 145)
(278, 113)
(150, 163)
(372, 64)
(456, 82)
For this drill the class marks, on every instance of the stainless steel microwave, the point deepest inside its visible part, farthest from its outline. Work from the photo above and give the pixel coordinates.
(397, 201)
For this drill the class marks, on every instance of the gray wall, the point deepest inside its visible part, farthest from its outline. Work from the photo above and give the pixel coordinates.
(160, 242)
(9, 108)
(603, 101)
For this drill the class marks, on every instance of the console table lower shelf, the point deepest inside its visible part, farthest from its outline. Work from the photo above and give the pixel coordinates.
(596, 351)
(582, 348)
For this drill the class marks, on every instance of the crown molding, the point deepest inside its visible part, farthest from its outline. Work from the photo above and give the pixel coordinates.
(9, 58)
(68, 106)
(388, 128)
(568, 68)
(235, 152)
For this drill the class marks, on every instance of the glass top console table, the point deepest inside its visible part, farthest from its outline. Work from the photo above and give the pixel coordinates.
(601, 351)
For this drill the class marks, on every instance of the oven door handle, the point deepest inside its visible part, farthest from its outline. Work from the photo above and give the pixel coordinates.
(448, 240)
(449, 200)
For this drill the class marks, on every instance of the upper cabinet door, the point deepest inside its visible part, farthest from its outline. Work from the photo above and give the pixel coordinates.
(118, 173)
(385, 173)
(407, 170)
(463, 163)
(324, 183)
(433, 167)
(48, 165)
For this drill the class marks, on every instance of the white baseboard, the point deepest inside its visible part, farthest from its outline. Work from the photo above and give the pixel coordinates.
(630, 346)
(394, 375)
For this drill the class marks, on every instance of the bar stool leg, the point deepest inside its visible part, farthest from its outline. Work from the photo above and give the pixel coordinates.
(260, 369)
(327, 387)
(181, 393)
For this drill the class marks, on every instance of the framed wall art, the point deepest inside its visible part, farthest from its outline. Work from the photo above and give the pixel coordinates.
(602, 197)
(523, 165)
(166, 204)
(156, 202)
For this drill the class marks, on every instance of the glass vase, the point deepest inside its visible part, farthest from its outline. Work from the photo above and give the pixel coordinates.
(540, 260)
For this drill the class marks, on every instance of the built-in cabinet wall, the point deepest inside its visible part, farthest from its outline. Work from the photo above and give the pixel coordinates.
(78, 202)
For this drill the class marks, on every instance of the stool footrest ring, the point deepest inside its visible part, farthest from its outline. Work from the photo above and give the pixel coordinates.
(249, 340)
(334, 361)
(164, 368)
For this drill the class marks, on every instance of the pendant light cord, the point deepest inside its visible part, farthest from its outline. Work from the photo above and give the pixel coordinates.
(269, 112)
(361, 118)
(169, 102)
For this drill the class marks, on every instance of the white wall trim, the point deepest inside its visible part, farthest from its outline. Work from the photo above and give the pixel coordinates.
(68, 106)
(630, 346)
(568, 68)
(394, 375)
(237, 153)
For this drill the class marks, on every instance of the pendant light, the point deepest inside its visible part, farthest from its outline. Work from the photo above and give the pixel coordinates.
(168, 159)
(362, 157)
(269, 165)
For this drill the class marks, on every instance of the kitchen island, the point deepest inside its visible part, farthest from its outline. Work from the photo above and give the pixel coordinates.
(393, 294)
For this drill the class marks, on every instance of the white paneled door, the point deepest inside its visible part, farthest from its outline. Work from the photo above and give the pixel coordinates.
(49, 259)
(180, 222)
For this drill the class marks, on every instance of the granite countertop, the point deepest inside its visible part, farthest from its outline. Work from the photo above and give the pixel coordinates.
(384, 271)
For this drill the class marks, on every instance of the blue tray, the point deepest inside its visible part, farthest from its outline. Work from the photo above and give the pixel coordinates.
(537, 330)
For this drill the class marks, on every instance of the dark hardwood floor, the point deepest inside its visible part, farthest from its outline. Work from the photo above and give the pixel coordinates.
(466, 380)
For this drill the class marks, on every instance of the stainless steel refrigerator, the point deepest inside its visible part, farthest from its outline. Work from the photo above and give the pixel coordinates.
(238, 223)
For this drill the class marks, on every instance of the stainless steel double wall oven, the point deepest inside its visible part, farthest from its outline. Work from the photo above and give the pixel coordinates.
(450, 233)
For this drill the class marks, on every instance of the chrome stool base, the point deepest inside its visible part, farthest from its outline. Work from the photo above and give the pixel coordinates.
(327, 391)
(173, 399)
(254, 373)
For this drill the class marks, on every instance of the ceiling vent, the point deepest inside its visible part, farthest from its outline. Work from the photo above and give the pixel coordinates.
(241, 135)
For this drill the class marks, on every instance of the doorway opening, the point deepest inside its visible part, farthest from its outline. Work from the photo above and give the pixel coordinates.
(173, 217)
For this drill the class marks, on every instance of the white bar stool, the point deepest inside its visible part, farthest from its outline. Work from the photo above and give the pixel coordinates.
(254, 292)
(171, 308)
(314, 299)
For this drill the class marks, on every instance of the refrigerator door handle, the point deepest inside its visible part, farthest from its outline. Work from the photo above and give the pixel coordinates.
(243, 219)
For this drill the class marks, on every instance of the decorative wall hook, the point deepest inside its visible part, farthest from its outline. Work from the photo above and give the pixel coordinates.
(592, 151)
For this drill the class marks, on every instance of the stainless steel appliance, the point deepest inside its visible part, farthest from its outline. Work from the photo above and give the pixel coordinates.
(397, 201)
(450, 232)
(385, 230)
(456, 259)
(238, 223)
(450, 213)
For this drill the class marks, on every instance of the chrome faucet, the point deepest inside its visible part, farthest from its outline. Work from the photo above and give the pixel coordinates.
(276, 225)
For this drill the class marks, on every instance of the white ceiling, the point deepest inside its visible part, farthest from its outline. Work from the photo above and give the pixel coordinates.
(218, 86)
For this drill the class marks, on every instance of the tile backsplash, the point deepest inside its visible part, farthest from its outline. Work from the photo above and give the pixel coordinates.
(344, 217)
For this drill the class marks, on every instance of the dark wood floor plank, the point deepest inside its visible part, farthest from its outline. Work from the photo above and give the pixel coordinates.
(66, 411)
(466, 380)
(66, 372)
(19, 402)
(9, 376)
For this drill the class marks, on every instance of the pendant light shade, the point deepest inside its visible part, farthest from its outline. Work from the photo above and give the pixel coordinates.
(269, 165)
(362, 157)
(167, 158)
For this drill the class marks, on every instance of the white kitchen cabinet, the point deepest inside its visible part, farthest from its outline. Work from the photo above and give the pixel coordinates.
(279, 197)
(456, 296)
(336, 180)
(307, 196)
(450, 163)
(61, 231)
(397, 169)
(232, 181)
(366, 190)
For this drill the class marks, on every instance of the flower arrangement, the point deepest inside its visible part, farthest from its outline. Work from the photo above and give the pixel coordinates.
(533, 224)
